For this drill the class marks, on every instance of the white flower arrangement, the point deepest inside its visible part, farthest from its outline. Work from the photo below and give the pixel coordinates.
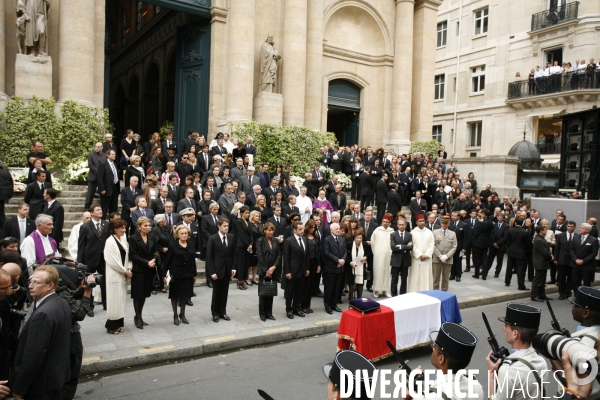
(343, 180)
(299, 181)
(56, 185)
(19, 174)
(76, 173)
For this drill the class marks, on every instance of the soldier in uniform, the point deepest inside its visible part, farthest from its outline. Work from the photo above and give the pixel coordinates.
(352, 361)
(446, 245)
(524, 364)
(453, 346)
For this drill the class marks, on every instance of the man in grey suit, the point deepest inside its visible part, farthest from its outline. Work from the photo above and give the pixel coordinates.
(584, 250)
(226, 201)
(401, 243)
(248, 182)
(446, 245)
(95, 158)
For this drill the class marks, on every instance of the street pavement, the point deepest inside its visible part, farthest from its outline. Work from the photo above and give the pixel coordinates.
(161, 340)
(289, 370)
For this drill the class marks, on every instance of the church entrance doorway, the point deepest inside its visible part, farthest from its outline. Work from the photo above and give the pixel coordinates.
(343, 111)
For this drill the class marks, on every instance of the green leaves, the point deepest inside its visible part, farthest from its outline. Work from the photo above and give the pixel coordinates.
(68, 131)
(297, 146)
(425, 147)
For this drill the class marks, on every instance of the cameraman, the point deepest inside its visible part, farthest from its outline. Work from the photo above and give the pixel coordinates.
(79, 301)
(11, 306)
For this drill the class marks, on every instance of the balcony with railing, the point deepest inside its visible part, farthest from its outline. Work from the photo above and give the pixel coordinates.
(554, 16)
(582, 82)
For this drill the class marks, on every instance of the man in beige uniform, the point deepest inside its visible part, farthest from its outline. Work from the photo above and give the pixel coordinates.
(443, 252)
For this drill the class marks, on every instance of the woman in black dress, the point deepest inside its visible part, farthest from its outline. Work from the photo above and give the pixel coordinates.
(243, 237)
(181, 265)
(135, 169)
(264, 211)
(256, 233)
(314, 261)
(128, 148)
(268, 253)
(163, 236)
(143, 251)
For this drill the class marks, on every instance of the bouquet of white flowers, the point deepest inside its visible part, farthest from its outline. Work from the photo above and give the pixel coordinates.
(76, 173)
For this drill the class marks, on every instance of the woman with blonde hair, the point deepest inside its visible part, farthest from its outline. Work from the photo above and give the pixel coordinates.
(164, 179)
(181, 265)
(256, 233)
(135, 169)
(261, 207)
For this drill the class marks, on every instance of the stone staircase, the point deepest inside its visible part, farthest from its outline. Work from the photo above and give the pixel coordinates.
(72, 199)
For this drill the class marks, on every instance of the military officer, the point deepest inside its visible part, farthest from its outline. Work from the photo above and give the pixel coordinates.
(520, 372)
(352, 361)
(443, 253)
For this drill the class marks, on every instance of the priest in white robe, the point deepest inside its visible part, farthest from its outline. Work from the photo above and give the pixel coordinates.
(420, 273)
(382, 254)
(304, 204)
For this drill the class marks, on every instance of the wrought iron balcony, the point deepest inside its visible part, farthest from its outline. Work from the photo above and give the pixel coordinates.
(554, 16)
(588, 79)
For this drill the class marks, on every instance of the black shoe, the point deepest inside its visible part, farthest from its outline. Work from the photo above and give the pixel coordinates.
(523, 288)
(183, 319)
(451, 278)
(475, 276)
(547, 298)
(496, 275)
(215, 318)
(310, 311)
(484, 278)
(193, 294)
(209, 283)
(320, 294)
(551, 282)
(562, 297)
(225, 317)
(143, 323)
(370, 289)
(305, 311)
(290, 315)
(263, 318)
(90, 313)
(272, 318)
(468, 270)
(138, 323)
(507, 284)
(299, 313)
(189, 303)
(176, 321)
(336, 308)
(458, 279)
(537, 299)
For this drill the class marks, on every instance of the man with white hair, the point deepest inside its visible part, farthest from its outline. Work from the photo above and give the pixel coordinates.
(247, 183)
(583, 257)
(39, 244)
(304, 205)
(74, 237)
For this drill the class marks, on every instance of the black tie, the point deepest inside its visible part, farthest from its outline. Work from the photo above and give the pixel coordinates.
(277, 220)
(169, 219)
(402, 236)
(300, 242)
(224, 241)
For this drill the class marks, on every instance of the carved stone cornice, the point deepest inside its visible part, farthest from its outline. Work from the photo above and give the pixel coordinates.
(354, 56)
(218, 14)
(431, 4)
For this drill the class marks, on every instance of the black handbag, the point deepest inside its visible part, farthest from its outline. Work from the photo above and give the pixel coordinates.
(267, 288)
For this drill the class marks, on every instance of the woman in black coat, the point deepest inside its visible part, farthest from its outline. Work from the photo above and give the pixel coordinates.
(181, 265)
(542, 258)
(243, 236)
(268, 252)
(163, 236)
(143, 252)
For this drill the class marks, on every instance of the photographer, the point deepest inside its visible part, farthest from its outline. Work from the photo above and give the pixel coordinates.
(79, 301)
(11, 306)
(523, 365)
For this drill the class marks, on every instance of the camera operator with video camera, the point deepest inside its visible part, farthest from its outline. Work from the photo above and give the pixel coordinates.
(524, 364)
(11, 306)
(79, 300)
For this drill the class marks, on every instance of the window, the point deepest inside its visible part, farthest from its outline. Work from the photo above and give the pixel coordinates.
(481, 21)
(440, 81)
(442, 32)
(475, 134)
(437, 133)
(478, 79)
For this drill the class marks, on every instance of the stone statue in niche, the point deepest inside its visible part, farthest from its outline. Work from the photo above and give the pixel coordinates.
(32, 26)
(268, 65)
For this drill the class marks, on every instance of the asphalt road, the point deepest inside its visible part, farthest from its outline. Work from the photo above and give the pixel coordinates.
(289, 370)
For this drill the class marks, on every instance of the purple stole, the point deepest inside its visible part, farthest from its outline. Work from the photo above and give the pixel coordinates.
(40, 254)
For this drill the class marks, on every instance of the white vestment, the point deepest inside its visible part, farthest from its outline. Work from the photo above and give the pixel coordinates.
(382, 253)
(420, 273)
(303, 202)
(74, 241)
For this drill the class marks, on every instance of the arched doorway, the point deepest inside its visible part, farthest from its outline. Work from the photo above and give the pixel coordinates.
(131, 105)
(343, 110)
(150, 123)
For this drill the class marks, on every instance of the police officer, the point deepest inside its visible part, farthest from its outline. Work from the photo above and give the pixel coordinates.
(523, 365)
(453, 346)
(352, 361)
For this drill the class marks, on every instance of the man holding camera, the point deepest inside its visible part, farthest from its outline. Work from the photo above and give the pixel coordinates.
(524, 364)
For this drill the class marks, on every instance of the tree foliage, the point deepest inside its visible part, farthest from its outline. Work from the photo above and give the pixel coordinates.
(297, 146)
(425, 147)
(68, 134)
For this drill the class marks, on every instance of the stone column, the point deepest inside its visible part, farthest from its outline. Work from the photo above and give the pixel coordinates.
(218, 57)
(423, 66)
(240, 65)
(76, 51)
(2, 52)
(313, 113)
(99, 38)
(402, 77)
(293, 81)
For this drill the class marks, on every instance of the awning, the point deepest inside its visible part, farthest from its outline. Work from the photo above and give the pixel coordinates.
(550, 111)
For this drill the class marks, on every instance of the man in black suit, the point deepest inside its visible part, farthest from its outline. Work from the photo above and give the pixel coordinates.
(94, 159)
(173, 189)
(279, 221)
(583, 257)
(250, 148)
(219, 150)
(168, 142)
(54, 209)
(440, 198)
(394, 201)
(497, 247)
(469, 231)
(158, 205)
(369, 227)
(296, 268)
(462, 203)
(90, 248)
(432, 222)
(401, 243)
(19, 226)
(264, 176)
(542, 258)
(517, 254)
(459, 228)
(173, 218)
(34, 194)
(108, 184)
(338, 199)
(188, 201)
(203, 161)
(562, 260)
(482, 236)
(290, 208)
(558, 226)
(41, 364)
(366, 188)
(184, 168)
(416, 206)
(334, 256)
(209, 227)
(188, 143)
(290, 189)
(270, 191)
(128, 196)
(381, 196)
(593, 221)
